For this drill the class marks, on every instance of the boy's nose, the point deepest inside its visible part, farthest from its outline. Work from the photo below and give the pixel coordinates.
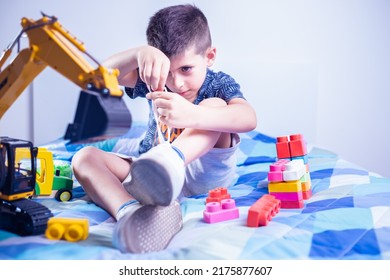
(177, 82)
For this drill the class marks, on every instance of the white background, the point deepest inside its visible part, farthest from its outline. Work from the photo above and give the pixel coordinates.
(320, 68)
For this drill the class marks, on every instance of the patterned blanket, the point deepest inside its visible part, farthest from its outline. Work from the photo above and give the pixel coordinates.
(348, 216)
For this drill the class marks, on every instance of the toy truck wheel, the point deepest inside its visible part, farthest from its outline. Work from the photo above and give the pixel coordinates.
(63, 195)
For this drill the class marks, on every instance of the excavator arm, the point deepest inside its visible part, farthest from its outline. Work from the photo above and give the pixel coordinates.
(52, 45)
(16, 77)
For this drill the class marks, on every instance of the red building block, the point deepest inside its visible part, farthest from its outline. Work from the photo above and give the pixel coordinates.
(217, 212)
(307, 194)
(290, 146)
(217, 195)
(292, 204)
(282, 147)
(297, 145)
(262, 211)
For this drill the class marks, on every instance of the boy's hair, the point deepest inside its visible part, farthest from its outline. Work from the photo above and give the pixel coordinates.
(173, 29)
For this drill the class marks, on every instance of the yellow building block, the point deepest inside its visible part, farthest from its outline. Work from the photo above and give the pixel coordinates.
(70, 229)
(292, 186)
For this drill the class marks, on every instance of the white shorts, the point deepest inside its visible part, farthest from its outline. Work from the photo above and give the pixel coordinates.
(215, 169)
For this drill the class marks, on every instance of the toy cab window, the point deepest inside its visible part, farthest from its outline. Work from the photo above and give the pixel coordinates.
(22, 166)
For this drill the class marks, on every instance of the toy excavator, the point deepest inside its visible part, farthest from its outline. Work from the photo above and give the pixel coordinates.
(100, 109)
(19, 214)
(27, 171)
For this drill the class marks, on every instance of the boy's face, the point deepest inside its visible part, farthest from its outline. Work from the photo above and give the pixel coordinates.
(188, 72)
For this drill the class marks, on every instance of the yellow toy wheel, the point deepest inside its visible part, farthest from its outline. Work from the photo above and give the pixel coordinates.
(63, 195)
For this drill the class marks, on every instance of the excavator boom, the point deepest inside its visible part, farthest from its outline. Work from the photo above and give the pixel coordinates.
(51, 45)
(100, 112)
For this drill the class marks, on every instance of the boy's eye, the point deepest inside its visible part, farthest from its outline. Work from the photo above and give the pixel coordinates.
(186, 69)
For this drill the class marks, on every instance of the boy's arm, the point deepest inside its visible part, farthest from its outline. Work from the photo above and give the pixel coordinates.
(153, 66)
(238, 116)
(235, 117)
(126, 63)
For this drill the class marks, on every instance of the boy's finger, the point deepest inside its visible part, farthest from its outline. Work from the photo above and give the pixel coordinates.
(154, 95)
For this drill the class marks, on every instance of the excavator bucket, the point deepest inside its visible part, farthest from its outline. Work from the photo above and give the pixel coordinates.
(98, 116)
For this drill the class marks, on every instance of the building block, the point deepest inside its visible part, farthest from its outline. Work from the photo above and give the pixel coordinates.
(306, 182)
(289, 196)
(307, 194)
(306, 186)
(286, 204)
(282, 147)
(290, 146)
(286, 170)
(217, 212)
(294, 170)
(292, 186)
(276, 169)
(217, 195)
(263, 210)
(70, 229)
(297, 145)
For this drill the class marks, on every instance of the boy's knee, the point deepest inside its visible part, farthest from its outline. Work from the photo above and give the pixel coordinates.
(213, 102)
(82, 156)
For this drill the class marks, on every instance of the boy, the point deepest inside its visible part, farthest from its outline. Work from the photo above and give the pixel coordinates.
(202, 110)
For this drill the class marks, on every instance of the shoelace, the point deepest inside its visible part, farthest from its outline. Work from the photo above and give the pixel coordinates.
(157, 119)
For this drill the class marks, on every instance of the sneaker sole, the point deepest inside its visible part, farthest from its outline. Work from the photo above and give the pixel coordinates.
(150, 228)
(150, 184)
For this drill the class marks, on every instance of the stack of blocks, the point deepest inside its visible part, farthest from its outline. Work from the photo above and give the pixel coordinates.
(289, 177)
(220, 207)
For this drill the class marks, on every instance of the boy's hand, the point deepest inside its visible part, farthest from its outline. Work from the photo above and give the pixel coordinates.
(173, 109)
(153, 67)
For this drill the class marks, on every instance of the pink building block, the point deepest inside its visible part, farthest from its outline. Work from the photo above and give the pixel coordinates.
(288, 196)
(276, 169)
(217, 212)
(286, 170)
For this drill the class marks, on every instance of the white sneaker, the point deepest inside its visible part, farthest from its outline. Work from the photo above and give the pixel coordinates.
(148, 229)
(157, 176)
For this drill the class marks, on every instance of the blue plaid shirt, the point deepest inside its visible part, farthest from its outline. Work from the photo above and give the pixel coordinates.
(216, 84)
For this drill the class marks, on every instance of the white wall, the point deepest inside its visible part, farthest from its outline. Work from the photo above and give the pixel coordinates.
(320, 68)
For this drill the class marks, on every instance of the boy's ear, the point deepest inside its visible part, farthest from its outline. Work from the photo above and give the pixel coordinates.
(211, 54)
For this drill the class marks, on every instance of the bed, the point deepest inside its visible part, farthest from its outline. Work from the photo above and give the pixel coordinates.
(347, 217)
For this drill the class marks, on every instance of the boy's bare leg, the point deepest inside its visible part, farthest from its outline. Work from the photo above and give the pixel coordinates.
(100, 174)
(194, 143)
